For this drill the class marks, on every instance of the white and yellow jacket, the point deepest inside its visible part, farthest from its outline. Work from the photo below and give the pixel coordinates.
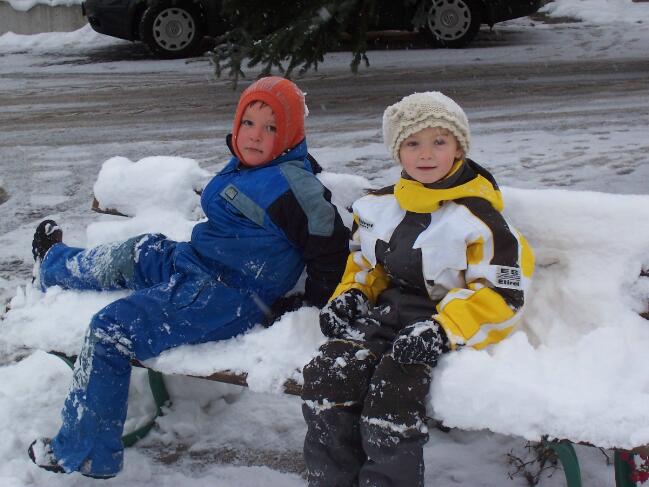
(450, 242)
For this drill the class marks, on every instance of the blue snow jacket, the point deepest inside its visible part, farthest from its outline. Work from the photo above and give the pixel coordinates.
(265, 223)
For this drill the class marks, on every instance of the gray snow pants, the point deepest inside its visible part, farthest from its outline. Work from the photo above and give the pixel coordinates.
(365, 413)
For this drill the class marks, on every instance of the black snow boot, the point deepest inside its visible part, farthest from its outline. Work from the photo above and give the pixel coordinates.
(332, 446)
(395, 458)
(40, 452)
(47, 234)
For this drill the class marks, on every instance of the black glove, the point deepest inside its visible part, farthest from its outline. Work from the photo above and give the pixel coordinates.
(420, 343)
(341, 312)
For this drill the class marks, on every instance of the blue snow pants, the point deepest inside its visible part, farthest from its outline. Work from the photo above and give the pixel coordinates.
(176, 301)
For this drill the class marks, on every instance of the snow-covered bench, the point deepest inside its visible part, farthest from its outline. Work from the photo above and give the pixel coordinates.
(576, 371)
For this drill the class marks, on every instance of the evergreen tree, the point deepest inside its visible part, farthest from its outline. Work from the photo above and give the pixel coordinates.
(289, 35)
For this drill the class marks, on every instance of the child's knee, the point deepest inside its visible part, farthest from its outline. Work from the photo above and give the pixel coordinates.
(339, 374)
(109, 331)
(117, 269)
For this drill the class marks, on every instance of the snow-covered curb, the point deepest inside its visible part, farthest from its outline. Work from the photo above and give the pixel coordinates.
(599, 11)
(77, 41)
(29, 18)
(25, 5)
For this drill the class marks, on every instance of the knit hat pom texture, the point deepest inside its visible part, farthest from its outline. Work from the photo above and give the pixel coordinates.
(420, 111)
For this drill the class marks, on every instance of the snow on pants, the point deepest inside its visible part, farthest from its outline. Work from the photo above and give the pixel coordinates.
(365, 413)
(175, 301)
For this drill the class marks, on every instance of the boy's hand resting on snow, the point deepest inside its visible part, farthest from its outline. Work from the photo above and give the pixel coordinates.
(420, 343)
(342, 311)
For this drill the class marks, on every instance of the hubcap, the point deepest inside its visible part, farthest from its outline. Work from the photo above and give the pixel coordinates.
(174, 29)
(449, 20)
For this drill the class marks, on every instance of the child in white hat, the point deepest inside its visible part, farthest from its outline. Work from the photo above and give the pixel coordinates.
(434, 266)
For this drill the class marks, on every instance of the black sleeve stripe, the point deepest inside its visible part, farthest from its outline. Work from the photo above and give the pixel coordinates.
(382, 191)
(504, 242)
(325, 256)
(315, 166)
(288, 215)
(515, 298)
(354, 227)
(482, 172)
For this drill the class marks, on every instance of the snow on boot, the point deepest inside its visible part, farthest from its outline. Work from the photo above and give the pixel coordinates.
(40, 452)
(47, 234)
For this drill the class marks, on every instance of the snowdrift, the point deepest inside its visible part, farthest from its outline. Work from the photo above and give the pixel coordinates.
(577, 368)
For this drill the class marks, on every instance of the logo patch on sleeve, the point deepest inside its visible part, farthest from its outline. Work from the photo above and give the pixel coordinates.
(231, 192)
(365, 224)
(509, 277)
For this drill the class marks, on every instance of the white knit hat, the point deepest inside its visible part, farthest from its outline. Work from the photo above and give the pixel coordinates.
(422, 110)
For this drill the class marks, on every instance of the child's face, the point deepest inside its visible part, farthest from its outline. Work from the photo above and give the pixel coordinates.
(428, 155)
(256, 135)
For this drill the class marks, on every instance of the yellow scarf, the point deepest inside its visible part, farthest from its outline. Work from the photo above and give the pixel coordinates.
(414, 196)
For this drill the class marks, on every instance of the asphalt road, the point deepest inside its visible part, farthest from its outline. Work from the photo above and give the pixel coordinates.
(96, 104)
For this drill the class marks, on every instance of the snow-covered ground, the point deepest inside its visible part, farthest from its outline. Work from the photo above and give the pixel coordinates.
(213, 433)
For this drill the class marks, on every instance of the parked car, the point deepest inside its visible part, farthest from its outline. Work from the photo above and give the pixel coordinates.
(453, 23)
(171, 29)
(175, 28)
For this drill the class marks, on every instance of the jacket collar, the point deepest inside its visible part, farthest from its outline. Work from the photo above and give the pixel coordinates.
(475, 182)
(297, 153)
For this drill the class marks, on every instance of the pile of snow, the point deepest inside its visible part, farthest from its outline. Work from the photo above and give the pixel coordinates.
(128, 186)
(576, 369)
(270, 356)
(25, 5)
(599, 11)
(579, 368)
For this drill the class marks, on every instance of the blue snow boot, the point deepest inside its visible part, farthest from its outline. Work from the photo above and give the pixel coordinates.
(47, 234)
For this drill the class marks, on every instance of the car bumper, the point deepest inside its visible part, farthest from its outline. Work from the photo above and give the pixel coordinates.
(506, 9)
(115, 18)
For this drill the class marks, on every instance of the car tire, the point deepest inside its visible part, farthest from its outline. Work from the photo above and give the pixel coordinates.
(172, 30)
(454, 23)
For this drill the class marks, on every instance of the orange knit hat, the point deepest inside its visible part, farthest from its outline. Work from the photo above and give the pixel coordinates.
(287, 102)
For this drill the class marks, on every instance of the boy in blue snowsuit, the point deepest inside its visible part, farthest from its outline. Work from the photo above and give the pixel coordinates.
(267, 218)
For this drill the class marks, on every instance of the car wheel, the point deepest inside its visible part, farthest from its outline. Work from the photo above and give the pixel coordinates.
(454, 23)
(172, 31)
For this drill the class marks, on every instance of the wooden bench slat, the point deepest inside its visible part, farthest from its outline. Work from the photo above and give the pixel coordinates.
(225, 376)
(107, 211)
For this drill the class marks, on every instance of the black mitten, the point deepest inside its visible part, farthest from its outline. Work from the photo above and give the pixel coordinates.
(339, 313)
(420, 343)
